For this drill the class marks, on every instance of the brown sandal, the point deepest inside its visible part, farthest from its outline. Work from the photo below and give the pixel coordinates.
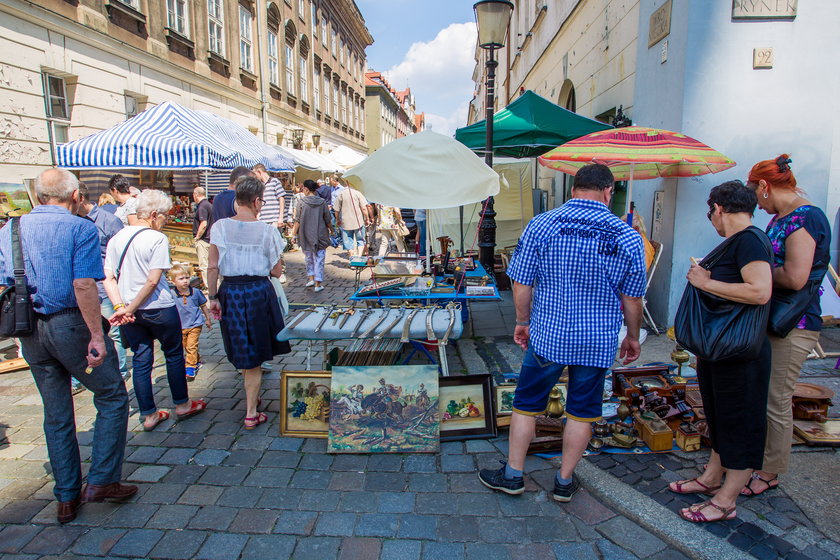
(695, 513)
(677, 487)
(748, 490)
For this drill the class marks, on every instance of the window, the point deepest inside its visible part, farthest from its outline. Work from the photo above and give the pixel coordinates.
(314, 20)
(245, 39)
(301, 9)
(273, 61)
(304, 86)
(316, 88)
(335, 100)
(334, 43)
(133, 3)
(58, 113)
(216, 27)
(341, 53)
(132, 106)
(356, 115)
(324, 31)
(290, 69)
(177, 16)
(327, 88)
(344, 108)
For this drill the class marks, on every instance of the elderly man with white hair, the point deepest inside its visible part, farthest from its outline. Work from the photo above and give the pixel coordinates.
(62, 263)
(144, 307)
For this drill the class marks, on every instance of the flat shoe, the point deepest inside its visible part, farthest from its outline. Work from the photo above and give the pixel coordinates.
(771, 483)
(251, 423)
(114, 492)
(67, 511)
(677, 487)
(162, 416)
(310, 283)
(695, 513)
(196, 407)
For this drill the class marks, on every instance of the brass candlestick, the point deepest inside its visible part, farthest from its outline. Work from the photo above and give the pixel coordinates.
(680, 356)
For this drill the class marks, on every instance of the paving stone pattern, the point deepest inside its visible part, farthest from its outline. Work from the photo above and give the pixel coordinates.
(210, 489)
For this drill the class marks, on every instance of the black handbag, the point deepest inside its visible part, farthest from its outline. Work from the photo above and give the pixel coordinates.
(714, 328)
(17, 315)
(788, 306)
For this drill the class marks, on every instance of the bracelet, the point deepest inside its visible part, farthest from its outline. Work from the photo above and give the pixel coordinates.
(213, 297)
(523, 323)
(119, 305)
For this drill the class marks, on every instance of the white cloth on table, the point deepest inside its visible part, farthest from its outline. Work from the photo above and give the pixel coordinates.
(246, 248)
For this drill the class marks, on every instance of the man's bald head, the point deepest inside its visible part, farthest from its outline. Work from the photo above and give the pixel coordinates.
(56, 185)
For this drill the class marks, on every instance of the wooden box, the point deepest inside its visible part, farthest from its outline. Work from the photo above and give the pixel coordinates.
(655, 433)
(688, 438)
(626, 381)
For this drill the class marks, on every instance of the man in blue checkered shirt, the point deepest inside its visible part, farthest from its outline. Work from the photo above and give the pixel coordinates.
(575, 270)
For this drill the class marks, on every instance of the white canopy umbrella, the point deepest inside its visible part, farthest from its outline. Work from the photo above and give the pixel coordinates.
(424, 170)
(310, 160)
(346, 157)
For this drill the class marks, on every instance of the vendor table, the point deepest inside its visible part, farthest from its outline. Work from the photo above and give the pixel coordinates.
(384, 323)
(434, 295)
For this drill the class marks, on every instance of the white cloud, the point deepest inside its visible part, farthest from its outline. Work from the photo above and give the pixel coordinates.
(439, 73)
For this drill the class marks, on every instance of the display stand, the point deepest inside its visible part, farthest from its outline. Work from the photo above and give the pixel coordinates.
(327, 323)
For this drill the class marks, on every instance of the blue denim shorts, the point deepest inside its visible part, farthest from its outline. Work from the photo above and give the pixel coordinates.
(352, 238)
(538, 376)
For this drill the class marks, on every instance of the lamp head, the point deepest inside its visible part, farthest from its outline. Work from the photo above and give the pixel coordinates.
(492, 18)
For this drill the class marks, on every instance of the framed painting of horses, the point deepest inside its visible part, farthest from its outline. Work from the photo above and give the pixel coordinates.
(384, 409)
(466, 407)
(305, 403)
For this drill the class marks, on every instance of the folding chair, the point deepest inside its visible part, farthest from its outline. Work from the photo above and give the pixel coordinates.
(657, 246)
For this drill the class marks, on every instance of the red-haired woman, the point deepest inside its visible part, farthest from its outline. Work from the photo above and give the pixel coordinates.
(800, 234)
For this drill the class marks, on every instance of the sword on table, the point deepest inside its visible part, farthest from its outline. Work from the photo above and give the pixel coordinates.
(303, 314)
(370, 331)
(407, 325)
(364, 315)
(451, 308)
(430, 331)
(326, 316)
(350, 311)
(387, 329)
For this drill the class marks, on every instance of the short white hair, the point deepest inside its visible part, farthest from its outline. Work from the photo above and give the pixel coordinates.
(56, 184)
(152, 200)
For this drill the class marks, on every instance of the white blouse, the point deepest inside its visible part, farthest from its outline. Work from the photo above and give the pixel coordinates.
(246, 248)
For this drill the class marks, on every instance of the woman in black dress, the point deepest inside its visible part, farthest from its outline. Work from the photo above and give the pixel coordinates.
(734, 391)
(245, 251)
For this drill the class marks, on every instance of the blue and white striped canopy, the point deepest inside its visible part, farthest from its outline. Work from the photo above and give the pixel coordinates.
(169, 136)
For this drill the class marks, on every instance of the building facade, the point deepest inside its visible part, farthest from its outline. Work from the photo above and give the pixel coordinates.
(390, 114)
(287, 70)
(749, 79)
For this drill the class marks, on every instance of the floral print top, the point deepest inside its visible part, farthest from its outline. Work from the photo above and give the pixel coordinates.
(816, 224)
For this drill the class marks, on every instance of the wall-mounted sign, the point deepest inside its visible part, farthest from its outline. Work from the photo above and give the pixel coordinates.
(764, 9)
(763, 58)
(660, 24)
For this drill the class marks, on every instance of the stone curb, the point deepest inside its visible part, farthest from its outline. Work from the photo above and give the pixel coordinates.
(690, 539)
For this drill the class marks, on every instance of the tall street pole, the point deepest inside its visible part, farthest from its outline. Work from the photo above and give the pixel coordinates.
(487, 230)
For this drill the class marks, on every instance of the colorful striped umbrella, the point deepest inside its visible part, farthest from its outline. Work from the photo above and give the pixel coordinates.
(637, 152)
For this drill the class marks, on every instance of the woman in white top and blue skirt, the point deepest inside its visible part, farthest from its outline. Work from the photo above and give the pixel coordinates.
(245, 251)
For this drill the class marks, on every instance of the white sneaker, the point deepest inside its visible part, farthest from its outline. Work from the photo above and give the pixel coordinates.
(318, 288)
(282, 278)
(310, 283)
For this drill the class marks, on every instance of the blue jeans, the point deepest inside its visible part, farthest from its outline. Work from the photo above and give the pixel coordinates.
(107, 309)
(56, 351)
(352, 238)
(163, 325)
(421, 227)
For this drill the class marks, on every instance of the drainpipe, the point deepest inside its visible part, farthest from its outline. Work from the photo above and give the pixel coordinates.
(262, 19)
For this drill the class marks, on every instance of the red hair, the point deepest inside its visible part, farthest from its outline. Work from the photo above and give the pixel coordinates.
(775, 172)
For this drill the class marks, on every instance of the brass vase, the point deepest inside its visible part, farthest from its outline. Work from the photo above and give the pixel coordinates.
(623, 410)
(555, 408)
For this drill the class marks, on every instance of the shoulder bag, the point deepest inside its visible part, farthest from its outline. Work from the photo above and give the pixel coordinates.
(125, 251)
(788, 306)
(718, 329)
(17, 315)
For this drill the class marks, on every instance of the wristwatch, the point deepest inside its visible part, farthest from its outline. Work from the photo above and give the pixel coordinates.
(214, 296)
(523, 323)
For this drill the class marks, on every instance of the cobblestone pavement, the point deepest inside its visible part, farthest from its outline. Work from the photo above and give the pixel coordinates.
(210, 489)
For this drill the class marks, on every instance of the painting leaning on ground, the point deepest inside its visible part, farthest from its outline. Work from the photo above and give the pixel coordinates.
(384, 409)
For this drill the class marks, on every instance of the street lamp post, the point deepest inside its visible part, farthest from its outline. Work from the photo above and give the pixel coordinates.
(492, 18)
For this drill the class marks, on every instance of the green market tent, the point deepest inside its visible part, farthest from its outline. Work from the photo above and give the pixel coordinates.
(529, 127)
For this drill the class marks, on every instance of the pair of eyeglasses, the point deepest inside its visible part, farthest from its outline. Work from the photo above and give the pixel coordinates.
(709, 215)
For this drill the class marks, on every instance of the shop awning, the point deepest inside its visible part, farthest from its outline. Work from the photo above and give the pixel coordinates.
(528, 127)
(346, 157)
(310, 160)
(169, 136)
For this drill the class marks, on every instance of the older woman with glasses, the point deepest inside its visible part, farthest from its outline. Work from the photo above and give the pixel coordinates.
(135, 261)
(734, 390)
(245, 251)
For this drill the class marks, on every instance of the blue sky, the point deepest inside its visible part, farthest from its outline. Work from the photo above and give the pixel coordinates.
(427, 45)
